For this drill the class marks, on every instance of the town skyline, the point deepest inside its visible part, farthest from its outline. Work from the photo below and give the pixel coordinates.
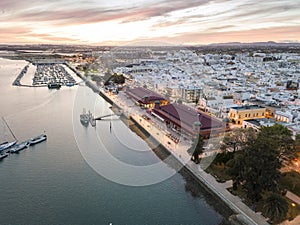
(193, 22)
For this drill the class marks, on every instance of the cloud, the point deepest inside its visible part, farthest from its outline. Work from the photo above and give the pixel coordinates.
(59, 13)
(21, 34)
(136, 19)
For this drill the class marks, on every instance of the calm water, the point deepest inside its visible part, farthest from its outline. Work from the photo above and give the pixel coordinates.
(51, 183)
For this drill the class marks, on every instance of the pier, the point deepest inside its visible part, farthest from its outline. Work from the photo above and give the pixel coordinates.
(17, 81)
(101, 117)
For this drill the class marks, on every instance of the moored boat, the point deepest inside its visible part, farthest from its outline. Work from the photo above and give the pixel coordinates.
(84, 118)
(38, 139)
(2, 156)
(19, 147)
(54, 86)
(7, 145)
(69, 84)
(93, 122)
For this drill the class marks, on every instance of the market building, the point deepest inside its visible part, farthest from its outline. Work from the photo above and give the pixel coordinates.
(188, 121)
(145, 97)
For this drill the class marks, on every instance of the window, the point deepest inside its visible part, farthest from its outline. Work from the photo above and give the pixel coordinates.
(263, 114)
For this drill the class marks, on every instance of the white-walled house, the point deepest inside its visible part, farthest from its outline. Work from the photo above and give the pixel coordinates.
(281, 116)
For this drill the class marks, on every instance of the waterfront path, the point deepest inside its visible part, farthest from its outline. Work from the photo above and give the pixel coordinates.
(179, 151)
(293, 197)
(233, 202)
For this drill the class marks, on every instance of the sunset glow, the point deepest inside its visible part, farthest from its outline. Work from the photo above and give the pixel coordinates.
(118, 22)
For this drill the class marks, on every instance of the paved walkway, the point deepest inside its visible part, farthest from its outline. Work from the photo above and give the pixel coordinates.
(295, 221)
(293, 197)
(179, 151)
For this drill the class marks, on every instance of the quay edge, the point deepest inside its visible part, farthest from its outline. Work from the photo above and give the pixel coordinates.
(240, 217)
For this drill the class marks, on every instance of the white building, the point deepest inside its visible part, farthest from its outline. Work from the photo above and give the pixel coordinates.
(281, 116)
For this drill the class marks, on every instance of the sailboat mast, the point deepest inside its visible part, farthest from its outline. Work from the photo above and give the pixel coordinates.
(9, 128)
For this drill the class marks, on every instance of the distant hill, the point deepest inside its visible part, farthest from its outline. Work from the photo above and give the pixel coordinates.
(269, 43)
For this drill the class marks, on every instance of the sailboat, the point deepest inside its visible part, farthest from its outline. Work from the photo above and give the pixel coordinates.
(6, 145)
(18, 147)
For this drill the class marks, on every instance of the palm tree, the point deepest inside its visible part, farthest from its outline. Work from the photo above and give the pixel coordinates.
(275, 207)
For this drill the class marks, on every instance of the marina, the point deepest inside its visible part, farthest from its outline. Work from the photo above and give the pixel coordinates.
(46, 74)
(54, 75)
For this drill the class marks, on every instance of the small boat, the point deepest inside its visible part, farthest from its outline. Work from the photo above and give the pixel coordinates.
(69, 84)
(38, 139)
(84, 118)
(19, 147)
(93, 122)
(2, 156)
(54, 86)
(6, 145)
(92, 119)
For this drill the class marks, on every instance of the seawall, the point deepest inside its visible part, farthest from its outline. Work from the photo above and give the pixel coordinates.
(244, 215)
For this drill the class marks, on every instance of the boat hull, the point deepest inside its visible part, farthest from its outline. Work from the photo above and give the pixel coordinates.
(19, 147)
(7, 145)
(38, 139)
(2, 156)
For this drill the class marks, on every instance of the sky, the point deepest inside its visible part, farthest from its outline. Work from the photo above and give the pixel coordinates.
(119, 22)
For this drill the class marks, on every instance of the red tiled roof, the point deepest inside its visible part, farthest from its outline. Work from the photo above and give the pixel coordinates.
(185, 117)
(144, 95)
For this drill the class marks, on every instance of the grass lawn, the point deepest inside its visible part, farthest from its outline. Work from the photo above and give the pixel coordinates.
(219, 171)
(291, 182)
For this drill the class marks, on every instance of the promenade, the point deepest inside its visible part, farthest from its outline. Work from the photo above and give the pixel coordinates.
(243, 213)
(179, 150)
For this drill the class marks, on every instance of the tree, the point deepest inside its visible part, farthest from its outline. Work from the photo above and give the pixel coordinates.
(238, 139)
(297, 142)
(236, 168)
(257, 167)
(275, 207)
(107, 77)
(115, 78)
(282, 136)
(197, 149)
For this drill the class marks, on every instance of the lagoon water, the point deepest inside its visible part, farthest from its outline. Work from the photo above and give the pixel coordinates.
(54, 183)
